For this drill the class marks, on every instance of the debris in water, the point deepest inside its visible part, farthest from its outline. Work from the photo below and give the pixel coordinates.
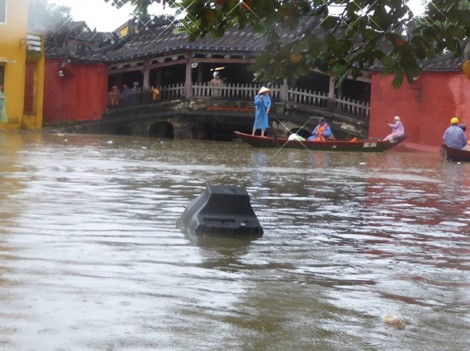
(395, 320)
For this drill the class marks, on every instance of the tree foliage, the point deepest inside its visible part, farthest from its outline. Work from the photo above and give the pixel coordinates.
(338, 37)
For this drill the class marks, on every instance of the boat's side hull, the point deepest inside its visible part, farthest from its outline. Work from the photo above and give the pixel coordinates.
(456, 155)
(370, 145)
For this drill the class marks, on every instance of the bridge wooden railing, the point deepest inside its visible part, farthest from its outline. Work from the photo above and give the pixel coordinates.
(306, 97)
(247, 92)
(352, 107)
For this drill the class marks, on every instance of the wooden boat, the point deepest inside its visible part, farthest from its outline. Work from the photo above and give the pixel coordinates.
(358, 145)
(456, 155)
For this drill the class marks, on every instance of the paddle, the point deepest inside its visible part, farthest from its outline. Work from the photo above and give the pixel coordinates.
(275, 133)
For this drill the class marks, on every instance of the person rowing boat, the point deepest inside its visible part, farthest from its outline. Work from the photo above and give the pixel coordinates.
(398, 130)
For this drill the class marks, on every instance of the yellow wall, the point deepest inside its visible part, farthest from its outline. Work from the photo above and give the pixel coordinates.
(13, 58)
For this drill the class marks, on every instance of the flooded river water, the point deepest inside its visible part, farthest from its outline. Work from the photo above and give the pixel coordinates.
(91, 259)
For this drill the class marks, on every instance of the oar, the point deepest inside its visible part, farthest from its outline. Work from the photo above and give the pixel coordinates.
(285, 127)
(275, 133)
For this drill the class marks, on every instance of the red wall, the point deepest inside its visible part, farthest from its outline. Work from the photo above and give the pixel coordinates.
(80, 95)
(425, 107)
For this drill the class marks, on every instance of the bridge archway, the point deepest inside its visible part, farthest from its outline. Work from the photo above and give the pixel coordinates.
(161, 130)
(122, 130)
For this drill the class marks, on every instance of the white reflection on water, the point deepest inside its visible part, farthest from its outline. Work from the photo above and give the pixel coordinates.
(90, 257)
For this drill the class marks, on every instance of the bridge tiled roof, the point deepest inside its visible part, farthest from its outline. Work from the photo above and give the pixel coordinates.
(164, 37)
(150, 41)
(444, 64)
(166, 40)
(75, 40)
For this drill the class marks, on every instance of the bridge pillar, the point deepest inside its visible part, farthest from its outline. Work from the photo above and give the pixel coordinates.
(183, 131)
(188, 80)
(145, 84)
(331, 100)
(140, 129)
(284, 93)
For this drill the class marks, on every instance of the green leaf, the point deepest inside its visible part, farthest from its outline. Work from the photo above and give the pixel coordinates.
(209, 17)
(398, 80)
(412, 72)
(381, 20)
(178, 30)
(329, 22)
(286, 10)
(218, 32)
(370, 34)
(455, 32)
(321, 63)
(329, 42)
(339, 70)
(379, 54)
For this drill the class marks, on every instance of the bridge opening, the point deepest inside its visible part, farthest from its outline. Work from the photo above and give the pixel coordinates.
(161, 130)
(122, 131)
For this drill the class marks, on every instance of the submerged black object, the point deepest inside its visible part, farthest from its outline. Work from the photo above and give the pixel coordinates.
(222, 210)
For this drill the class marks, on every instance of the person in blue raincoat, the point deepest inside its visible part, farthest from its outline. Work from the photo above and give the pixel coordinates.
(322, 131)
(454, 136)
(262, 106)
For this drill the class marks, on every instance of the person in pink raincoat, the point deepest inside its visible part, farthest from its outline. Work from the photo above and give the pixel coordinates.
(398, 130)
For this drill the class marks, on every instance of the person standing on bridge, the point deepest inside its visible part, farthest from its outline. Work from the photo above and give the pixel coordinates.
(262, 106)
(114, 96)
(216, 84)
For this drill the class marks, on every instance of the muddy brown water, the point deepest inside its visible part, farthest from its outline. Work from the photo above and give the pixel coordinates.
(91, 258)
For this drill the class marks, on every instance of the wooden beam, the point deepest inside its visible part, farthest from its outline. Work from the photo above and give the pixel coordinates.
(131, 67)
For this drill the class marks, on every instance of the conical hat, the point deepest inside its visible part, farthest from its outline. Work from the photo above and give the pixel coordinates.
(263, 90)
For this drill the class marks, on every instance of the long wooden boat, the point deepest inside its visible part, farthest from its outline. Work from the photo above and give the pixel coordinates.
(456, 155)
(359, 145)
